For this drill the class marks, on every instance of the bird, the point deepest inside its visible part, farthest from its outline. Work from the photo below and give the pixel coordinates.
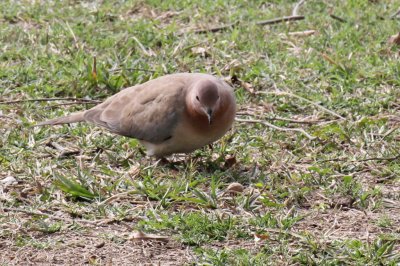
(175, 113)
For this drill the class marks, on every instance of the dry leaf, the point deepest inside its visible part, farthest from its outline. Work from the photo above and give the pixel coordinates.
(168, 14)
(100, 245)
(394, 39)
(230, 161)
(233, 67)
(247, 86)
(333, 62)
(268, 107)
(235, 188)
(341, 201)
(258, 237)
(200, 51)
(9, 180)
(389, 203)
(215, 156)
(142, 236)
(134, 171)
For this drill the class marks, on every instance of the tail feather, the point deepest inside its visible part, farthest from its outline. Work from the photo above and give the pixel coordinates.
(72, 118)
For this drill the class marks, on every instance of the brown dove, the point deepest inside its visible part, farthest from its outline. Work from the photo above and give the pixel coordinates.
(176, 113)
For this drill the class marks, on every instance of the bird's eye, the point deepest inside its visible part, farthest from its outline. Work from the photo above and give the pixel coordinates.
(197, 98)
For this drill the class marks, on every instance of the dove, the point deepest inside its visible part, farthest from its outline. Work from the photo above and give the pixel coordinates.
(176, 113)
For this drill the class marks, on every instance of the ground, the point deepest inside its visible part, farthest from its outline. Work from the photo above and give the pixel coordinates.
(308, 175)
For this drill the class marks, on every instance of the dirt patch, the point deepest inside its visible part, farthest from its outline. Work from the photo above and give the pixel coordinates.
(72, 248)
(336, 224)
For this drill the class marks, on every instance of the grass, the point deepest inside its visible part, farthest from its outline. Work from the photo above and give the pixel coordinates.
(331, 200)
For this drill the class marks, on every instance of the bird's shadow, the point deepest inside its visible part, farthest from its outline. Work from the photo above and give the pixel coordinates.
(198, 162)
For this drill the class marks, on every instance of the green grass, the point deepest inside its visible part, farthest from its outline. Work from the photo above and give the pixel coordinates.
(332, 200)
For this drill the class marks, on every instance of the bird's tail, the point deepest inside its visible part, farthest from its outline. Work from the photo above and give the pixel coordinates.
(72, 118)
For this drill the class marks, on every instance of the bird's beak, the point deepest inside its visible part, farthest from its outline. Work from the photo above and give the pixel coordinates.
(209, 116)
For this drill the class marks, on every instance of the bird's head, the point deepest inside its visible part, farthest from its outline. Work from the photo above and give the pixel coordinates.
(205, 99)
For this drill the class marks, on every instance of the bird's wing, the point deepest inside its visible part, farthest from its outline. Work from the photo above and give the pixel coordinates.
(149, 111)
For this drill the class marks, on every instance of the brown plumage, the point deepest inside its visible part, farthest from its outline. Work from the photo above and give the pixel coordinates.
(175, 113)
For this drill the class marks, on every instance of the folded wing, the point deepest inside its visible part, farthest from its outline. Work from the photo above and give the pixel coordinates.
(147, 112)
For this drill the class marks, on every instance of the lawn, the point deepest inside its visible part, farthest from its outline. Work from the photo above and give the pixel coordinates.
(308, 175)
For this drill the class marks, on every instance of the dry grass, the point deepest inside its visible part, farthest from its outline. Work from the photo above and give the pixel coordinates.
(325, 190)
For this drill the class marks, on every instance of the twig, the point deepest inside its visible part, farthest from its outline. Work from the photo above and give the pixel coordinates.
(395, 14)
(148, 53)
(56, 146)
(388, 133)
(279, 20)
(338, 18)
(276, 127)
(302, 33)
(142, 236)
(302, 98)
(264, 22)
(64, 152)
(378, 159)
(11, 118)
(333, 62)
(50, 100)
(307, 122)
(280, 231)
(361, 160)
(331, 160)
(296, 7)
(94, 70)
(48, 215)
(278, 118)
(114, 197)
(66, 104)
(218, 28)
(73, 35)
(179, 49)
(132, 69)
(389, 203)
